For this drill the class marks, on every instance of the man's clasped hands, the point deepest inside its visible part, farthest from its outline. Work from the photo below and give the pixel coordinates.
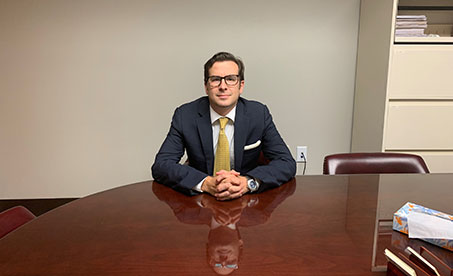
(225, 185)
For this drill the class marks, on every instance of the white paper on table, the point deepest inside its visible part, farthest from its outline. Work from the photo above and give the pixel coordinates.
(424, 226)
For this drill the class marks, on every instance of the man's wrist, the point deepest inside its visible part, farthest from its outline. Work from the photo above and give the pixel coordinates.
(204, 185)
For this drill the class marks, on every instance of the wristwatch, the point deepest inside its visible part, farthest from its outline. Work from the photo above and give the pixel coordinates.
(252, 184)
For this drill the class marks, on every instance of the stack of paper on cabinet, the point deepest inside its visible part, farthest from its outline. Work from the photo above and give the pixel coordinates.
(410, 25)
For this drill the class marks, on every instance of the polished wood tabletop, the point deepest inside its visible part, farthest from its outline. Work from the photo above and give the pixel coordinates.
(312, 225)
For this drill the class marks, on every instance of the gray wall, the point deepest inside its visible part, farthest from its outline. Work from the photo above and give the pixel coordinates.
(87, 88)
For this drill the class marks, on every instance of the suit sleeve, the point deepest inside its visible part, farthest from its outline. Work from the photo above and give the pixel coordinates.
(166, 168)
(282, 166)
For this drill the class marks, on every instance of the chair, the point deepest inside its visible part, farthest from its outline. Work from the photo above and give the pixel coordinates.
(375, 162)
(14, 218)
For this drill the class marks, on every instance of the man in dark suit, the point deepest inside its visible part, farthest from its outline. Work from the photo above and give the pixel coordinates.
(209, 127)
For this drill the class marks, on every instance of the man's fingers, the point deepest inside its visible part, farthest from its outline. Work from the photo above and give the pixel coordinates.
(222, 196)
(231, 179)
(235, 180)
(234, 188)
(223, 172)
(224, 186)
(239, 193)
(230, 186)
(232, 196)
(235, 173)
(221, 178)
(227, 195)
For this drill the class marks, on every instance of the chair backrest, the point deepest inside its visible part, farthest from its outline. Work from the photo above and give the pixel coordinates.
(14, 218)
(373, 162)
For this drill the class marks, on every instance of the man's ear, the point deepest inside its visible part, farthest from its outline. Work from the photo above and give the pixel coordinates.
(241, 86)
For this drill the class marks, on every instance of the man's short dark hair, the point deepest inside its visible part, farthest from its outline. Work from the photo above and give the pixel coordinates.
(223, 56)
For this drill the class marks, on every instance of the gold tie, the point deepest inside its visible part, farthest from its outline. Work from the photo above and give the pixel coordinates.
(222, 154)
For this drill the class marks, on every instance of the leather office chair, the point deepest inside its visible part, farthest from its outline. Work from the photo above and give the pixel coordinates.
(373, 162)
(14, 218)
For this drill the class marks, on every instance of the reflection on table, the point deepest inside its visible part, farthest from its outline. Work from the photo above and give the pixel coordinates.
(224, 246)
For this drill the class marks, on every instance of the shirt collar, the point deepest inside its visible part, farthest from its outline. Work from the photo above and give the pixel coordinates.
(215, 116)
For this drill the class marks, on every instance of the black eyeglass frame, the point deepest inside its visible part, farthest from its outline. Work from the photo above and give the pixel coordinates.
(208, 81)
(231, 266)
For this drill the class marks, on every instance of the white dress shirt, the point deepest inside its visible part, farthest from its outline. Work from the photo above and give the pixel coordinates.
(229, 132)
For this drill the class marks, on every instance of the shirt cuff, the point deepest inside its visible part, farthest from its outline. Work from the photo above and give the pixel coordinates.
(198, 186)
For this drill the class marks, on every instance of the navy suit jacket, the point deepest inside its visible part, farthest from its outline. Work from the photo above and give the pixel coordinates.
(191, 130)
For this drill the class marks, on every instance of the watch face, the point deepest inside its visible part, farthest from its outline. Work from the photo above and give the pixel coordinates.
(252, 185)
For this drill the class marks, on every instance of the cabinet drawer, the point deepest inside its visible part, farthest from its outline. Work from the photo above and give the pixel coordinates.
(421, 72)
(437, 162)
(419, 126)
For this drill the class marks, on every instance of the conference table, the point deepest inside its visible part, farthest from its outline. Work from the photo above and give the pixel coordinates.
(312, 225)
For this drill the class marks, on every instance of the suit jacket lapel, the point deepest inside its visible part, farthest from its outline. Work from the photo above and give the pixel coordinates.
(205, 133)
(241, 125)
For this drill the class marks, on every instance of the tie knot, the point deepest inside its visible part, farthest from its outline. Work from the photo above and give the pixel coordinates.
(223, 121)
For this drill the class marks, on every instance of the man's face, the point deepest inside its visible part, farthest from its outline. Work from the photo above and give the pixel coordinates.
(224, 96)
(224, 249)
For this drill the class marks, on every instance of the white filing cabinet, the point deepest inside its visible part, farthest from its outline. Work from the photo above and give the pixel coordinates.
(404, 85)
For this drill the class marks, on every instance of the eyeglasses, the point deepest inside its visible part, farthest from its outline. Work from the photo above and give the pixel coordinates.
(231, 266)
(230, 80)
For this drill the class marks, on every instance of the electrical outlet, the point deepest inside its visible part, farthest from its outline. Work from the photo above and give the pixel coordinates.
(301, 154)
